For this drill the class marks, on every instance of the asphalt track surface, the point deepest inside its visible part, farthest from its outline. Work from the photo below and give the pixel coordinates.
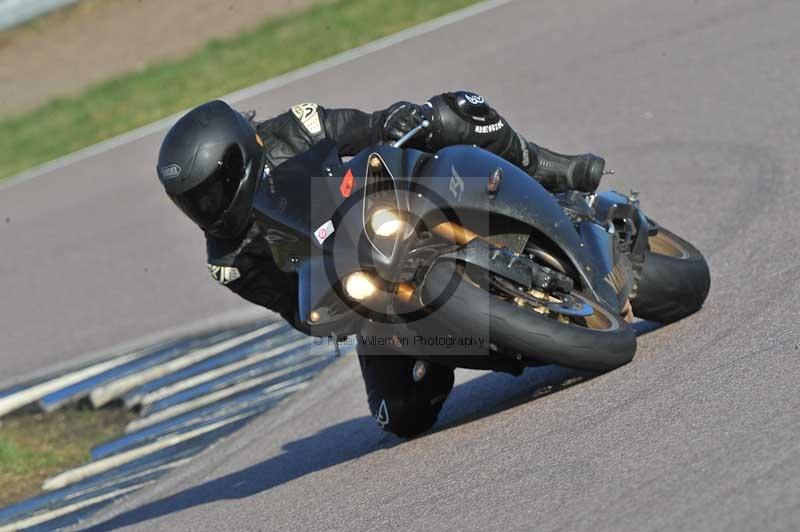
(693, 103)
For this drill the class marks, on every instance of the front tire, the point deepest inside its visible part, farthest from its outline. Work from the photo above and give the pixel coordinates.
(674, 281)
(602, 343)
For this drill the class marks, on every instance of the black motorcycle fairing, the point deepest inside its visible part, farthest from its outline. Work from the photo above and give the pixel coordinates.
(290, 205)
(316, 189)
(396, 164)
(315, 293)
(600, 242)
(453, 181)
(290, 196)
(458, 174)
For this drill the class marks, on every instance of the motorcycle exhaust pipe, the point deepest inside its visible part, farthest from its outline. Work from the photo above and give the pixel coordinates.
(405, 292)
(449, 231)
(455, 233)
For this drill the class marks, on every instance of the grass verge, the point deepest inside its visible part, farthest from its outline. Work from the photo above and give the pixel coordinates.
(36, 446)
(279, 45)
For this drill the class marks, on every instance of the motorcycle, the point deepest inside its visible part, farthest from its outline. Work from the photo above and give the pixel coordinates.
(460, 258)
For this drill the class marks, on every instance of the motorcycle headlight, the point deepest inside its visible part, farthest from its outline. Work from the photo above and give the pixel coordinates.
(359, 286)
(385, 223)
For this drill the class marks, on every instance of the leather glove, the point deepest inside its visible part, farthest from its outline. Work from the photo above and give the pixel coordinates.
(401, 118)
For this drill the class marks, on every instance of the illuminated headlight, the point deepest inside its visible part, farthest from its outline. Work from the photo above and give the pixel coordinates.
(385, 223)
(359, 286)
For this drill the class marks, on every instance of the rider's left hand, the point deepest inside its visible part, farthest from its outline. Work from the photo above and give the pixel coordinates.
(401, 118)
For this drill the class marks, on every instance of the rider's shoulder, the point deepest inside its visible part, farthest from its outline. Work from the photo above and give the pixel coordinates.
(221, 251)
(310, 116)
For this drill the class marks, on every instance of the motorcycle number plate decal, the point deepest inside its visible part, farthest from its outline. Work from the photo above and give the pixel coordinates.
(324, 231)
(346, 187)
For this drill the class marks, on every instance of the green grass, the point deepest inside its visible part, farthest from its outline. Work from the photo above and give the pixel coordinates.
(278, 46)
(36, 446)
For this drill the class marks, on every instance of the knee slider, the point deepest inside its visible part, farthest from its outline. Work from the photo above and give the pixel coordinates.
(405, 418)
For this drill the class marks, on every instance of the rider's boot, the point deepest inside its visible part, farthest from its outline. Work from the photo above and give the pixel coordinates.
(558, 173)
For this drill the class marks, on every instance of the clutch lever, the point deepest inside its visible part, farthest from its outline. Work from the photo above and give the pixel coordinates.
(411, 134)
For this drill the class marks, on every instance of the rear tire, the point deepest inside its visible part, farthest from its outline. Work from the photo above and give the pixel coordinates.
(674, 280)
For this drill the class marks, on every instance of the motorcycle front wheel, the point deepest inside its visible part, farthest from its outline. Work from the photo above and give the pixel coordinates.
(574, 331)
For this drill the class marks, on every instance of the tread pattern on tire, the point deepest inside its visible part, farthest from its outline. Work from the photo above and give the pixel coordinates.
(534, 336)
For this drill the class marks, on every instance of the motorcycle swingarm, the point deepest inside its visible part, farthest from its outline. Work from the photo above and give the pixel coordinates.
(502, 262)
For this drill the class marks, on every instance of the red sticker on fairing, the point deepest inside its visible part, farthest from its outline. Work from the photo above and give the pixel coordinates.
(348, 181)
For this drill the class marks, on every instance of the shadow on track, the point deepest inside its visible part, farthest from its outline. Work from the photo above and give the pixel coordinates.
(331, 446)
(481, 397)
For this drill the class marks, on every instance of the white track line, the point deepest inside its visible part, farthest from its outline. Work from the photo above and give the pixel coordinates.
(130, 477)
(261, 88)
(34, 393)
(142, 398)
(114, 389)
(226, 320)
(215, 373)
(224, 393)
(106, 464)
(66, 510)
(17, 12)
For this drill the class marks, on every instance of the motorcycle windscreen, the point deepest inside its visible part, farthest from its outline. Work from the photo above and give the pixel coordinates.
(297, 192)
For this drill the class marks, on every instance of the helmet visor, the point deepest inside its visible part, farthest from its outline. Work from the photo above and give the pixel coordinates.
(207, 202)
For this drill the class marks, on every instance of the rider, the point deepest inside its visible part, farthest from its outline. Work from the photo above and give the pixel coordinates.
(213, 159)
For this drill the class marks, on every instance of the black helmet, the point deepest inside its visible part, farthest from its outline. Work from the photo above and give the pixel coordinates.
(210, 164)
